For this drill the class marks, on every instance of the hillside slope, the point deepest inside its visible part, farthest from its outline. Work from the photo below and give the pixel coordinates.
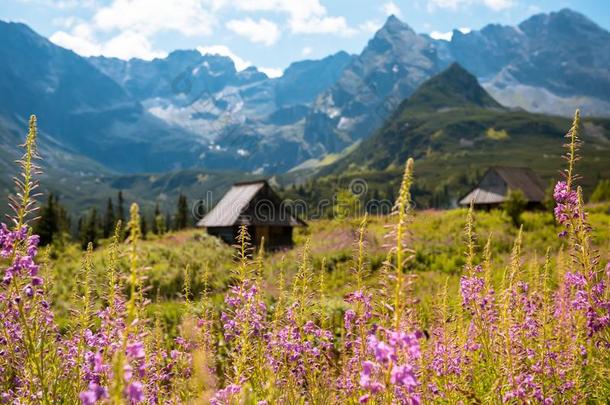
(84, 110)
(455, 130)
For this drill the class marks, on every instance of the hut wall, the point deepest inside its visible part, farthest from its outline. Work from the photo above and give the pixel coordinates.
(280, 236)
(226, 233)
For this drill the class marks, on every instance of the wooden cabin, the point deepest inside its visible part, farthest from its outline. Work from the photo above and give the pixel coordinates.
(257, 206)
(496, 183)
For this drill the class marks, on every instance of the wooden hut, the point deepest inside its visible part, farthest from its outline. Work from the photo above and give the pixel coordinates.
(496, 183)
(257, 206)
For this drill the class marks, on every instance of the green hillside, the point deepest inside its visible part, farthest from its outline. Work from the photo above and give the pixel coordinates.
(455, 130)
(454, 87)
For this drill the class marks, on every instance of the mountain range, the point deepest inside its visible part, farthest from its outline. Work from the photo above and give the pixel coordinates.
(105, 118)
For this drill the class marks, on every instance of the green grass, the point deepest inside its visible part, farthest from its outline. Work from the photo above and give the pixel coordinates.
(434, 236)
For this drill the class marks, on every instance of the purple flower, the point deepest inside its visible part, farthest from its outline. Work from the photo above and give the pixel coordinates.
(348, 318)
(135, 350)
(403, 376)
(394, 357)
(93, 394)
(471, 288)
(244, 308)
(28, 291)
(309, 327)
(364, 399)
(127, 372)
(135, 392)
(225, 395)
(293, 349)
(382, 351)
(567, 203)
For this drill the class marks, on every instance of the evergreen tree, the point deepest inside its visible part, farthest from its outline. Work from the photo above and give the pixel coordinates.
(109, 220)
(168, 221)
(143, 226)
(54, 221)
(90, 229)
(48, 224)
(182, 214)
(120, 208)
(79, 226)
(160, 224)
(64, 219)
(515, 205)
(157, 214)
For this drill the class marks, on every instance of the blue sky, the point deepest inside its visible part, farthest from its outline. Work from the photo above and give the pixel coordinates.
(269, 34)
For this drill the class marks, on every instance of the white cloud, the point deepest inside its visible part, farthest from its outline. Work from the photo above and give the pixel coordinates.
(129, 44)
(390, 8)
(79, 45)
(126, 45)
(65, 22)
(136, 22)
(446, 36)
(322, 25)
(306, 51)
(496, 5)
(63, 4)
(187, 17)
(261, 31)
(370, 26)
(271, 72)
(240, 63)
(128, 25)
(452, 4)
(305, 16)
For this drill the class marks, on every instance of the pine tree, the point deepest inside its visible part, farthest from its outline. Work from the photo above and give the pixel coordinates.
(515, 205)
(155, 221)
(120, 207)
(90, 229)
(47, 226)
(143, 226)
(168, 221)
(182, 216)
(64, 221)
(109, 219)
(160, 224)
(54, 221)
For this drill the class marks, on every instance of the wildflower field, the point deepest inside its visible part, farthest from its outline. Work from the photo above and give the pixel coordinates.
(417, 307)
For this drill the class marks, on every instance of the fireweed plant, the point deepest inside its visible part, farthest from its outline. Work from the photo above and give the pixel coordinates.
(540, 335)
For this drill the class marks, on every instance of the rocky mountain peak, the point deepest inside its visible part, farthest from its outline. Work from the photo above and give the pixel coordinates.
(565, 22)
(454, 87)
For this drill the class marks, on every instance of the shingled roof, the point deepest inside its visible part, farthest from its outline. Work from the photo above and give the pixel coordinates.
(237, 205)
(499, 180)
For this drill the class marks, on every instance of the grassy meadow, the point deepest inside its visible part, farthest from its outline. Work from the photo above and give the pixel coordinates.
(436, 236)
(421, 306)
